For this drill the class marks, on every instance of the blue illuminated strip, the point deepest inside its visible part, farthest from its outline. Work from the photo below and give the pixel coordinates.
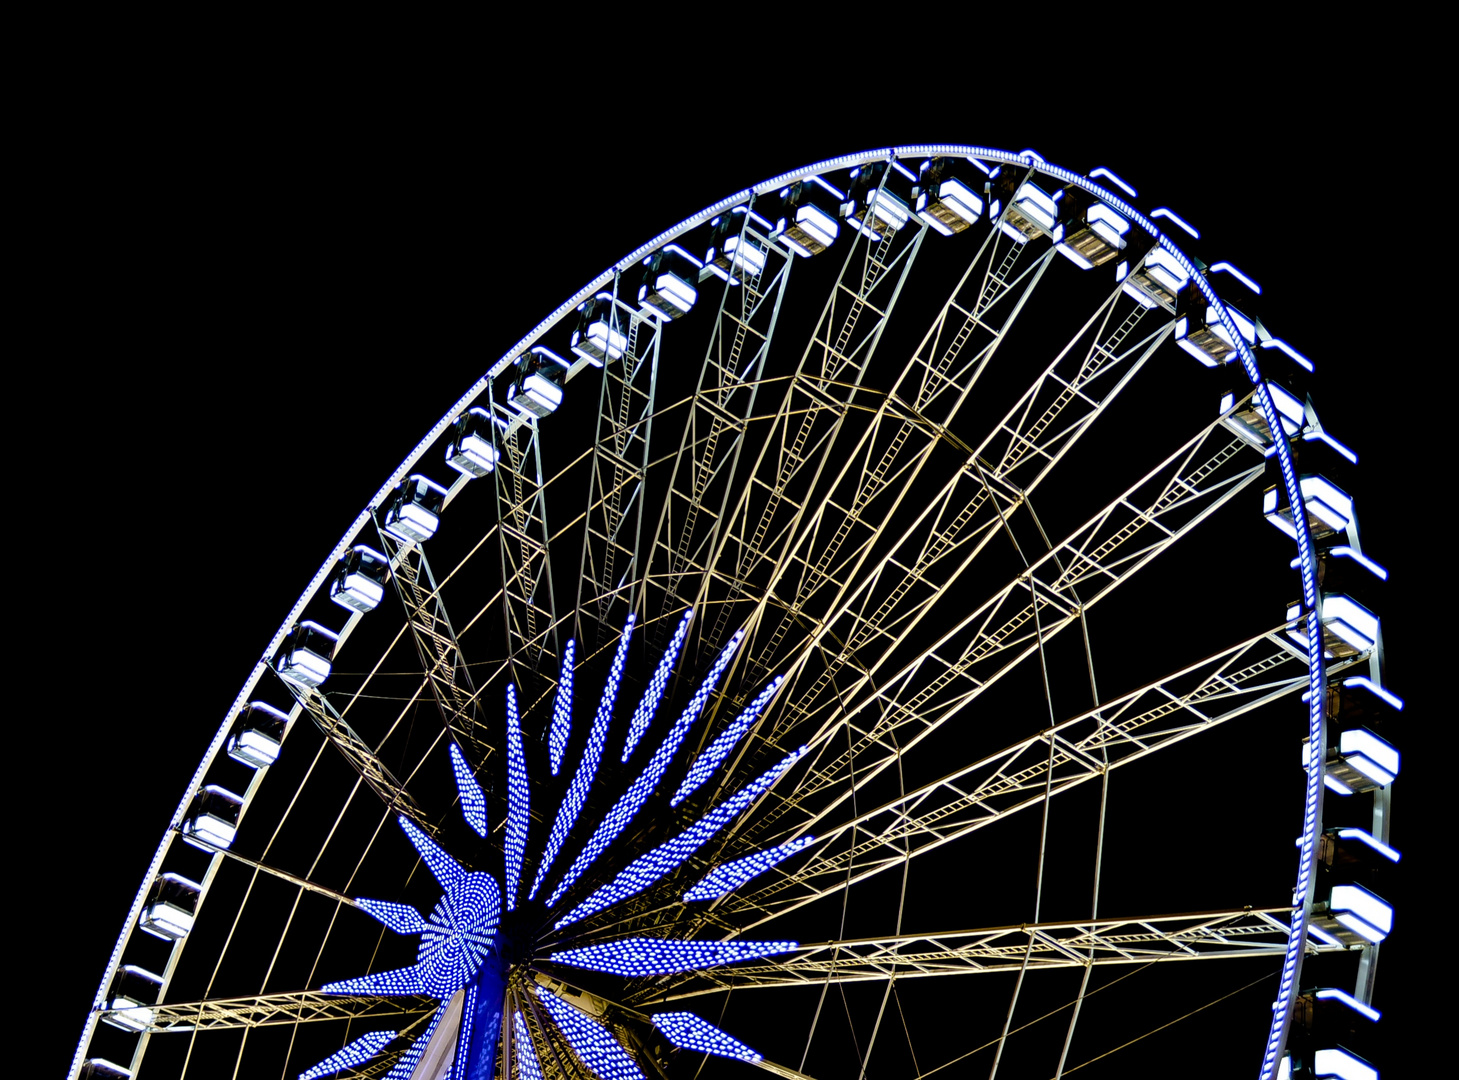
(407, 1061)
(632, 957)
(644, 714)
(526, 1055)
(723, 880)
(401, 982)
(632, 801)
(445, 869)
(591, 1041)
(462, 1060)
(690, 1032)
(705, 764)
(473, 802)
(647, 869)
(577, 791)
(402, 918)
(561, 711)
(356, 1053)
(517, 800)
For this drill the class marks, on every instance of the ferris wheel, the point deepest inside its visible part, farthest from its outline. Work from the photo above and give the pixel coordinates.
(695, 697)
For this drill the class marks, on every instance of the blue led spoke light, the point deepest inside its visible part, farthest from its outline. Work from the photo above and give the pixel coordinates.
(649, 703)
(577, 791)
(402, 918)
(705, 764)
(646, 869)
(723, 880)
(690, 1032)
(526, 1054)
(632, 957)
(355, 1053)
(517, 800)
(444, 869)
(561, 711)
(633, 799)
(591, 1041)
(473, 802)
(401, 982)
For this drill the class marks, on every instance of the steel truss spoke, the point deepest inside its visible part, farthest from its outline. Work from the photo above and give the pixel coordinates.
(1210, 935)
(361, 757)
(618, 471)
(441, 659)
(528, 606)
(988, 642)
(914, 571)
(265, 1009)
(700, 484)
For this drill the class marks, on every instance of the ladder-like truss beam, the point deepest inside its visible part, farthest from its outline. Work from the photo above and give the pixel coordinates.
(262, 1010)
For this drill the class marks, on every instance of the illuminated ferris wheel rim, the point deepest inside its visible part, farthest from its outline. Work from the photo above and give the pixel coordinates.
(1037, 166)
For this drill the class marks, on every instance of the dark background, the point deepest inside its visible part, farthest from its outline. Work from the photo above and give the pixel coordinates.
(269, 281)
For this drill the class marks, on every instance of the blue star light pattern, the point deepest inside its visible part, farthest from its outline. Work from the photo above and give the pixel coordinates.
(561, 711)
(590, 1040)
(646, 869)
(517, 800)
(527, 1065)
(723, 880)
(444, 869)
(355, 1053)
(577, 791)
(473, 802)
(690, 1032)
(632, 957)
(459, 935)
(649, 703)
(402, 918)
(633, 799)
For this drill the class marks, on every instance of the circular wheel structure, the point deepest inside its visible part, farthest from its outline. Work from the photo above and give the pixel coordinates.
(700, 687)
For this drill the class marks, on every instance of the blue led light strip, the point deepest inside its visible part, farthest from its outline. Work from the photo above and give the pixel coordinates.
(462, 1060)
(633, 957)
(400, 982)
(402, 918)
(690, 1032)
(705, 764)
(577, 791)
(525, 1053)
(561, 711)
(649, 704)
(723, 880)
(647, 869)
(518, 793)
(445, 869)
(355, 1053)
(473, 802)
(591, 1041)
(407, 1061)
(632, 801)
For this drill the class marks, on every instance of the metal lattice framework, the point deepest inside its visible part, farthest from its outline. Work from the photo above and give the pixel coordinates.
(851, 485)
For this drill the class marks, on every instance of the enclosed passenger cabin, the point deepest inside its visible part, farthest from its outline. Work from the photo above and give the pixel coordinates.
(738, 241)
(807, 222)
(306, 654)
(946, 195)
(472, 450)
(667, 289)
(537, 390)
(413, 512)
(258, 733)
(358, 583)
(171, 905)
(597, 339)
(212, 821)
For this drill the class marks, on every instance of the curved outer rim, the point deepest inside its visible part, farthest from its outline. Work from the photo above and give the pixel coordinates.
(1317, 730)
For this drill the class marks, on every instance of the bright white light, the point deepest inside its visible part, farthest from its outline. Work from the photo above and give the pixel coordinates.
(1321, 934)
(1278, 343)
(1379, 754)
(1340, 1065)
(1012, 233)
(1363, 680)
(1371, 841)
(1097, 173)
(167, 921)
(746, 256)
(253, 748)
(1325, 437)
(1289, 407)
(1333, 784)
(1199, 354)
(1073, 255)
(1350, 621)
(1138, 296)
(1329, 994)
(129, 1014)
(1327, 502)
(1225, 267)
(1355, 903)
(1165, 212)
(819, 224)
(476, 457)
(888, 208)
